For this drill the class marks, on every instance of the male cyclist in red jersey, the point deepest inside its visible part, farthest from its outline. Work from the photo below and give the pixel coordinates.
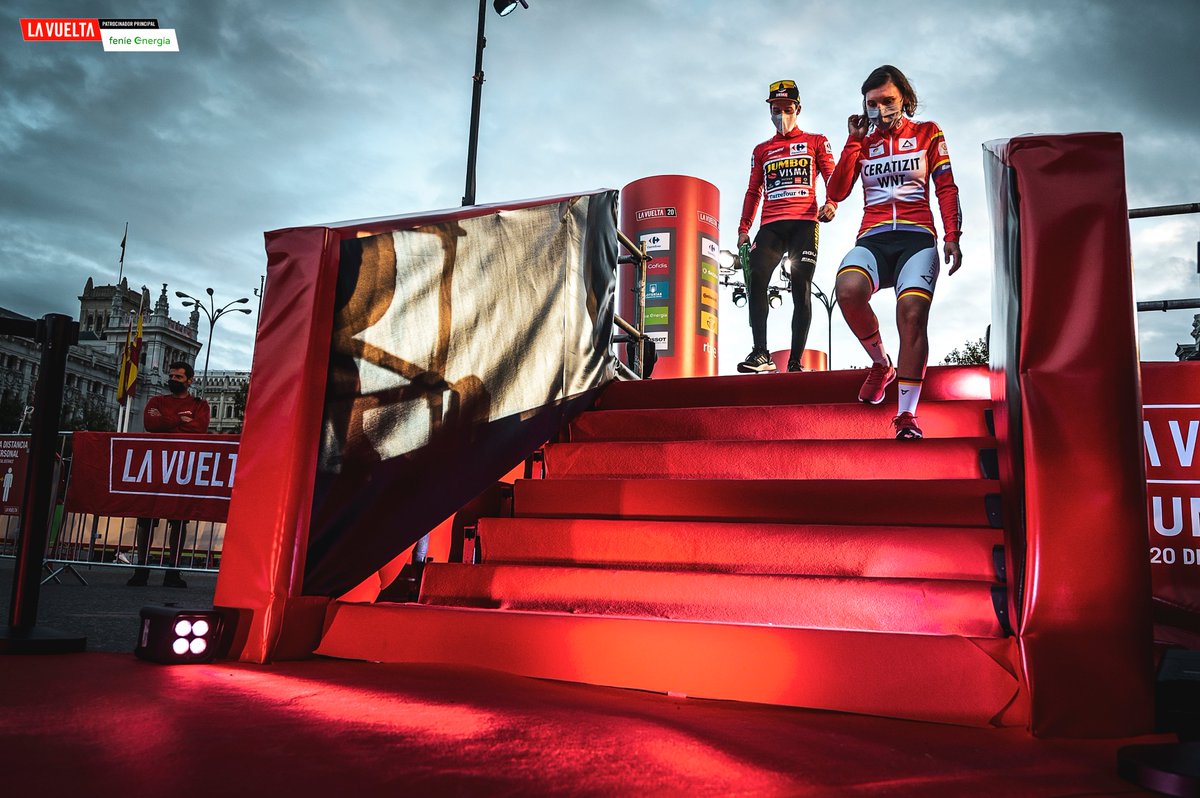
(896, 157)
(782, 167)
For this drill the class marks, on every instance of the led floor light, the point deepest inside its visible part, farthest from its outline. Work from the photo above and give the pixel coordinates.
(173, 636)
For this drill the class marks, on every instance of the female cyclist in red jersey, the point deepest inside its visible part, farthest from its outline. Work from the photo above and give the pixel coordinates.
(896, 157)
(784, 168)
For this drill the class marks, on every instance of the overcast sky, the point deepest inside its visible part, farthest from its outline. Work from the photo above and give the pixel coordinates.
(284, 114)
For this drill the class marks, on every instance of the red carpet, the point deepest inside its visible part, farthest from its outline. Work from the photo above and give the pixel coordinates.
(107, 724)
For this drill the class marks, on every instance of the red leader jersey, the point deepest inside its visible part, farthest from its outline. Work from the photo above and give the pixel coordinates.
(162, 414)
(782, 166)
(896, 167)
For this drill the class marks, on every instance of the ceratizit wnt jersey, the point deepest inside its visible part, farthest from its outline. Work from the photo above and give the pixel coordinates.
(896, 167)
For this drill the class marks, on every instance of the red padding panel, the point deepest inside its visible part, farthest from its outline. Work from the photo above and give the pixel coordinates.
(1086, 629)
(263, 555)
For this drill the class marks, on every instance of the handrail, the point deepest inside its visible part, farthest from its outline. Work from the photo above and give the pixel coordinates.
(637, 329)
(1168, 210)
(1164, 210)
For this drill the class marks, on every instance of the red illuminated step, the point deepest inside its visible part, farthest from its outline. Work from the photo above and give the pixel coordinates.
(923, 606)
(922, 677)
(935, 502)
(817, 387)
(962, 419)
(870, 551)
(951, 458)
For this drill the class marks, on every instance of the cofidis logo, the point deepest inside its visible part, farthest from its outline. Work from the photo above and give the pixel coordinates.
(116, 35)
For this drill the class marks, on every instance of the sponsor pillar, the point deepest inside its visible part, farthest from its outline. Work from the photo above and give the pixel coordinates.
(677, 217)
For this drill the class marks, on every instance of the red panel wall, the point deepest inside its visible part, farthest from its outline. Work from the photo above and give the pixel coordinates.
(1085, 627)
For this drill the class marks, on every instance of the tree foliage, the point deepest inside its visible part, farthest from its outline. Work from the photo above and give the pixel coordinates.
(973, 353)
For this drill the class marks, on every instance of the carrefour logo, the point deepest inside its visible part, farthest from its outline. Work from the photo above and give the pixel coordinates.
(656, 241)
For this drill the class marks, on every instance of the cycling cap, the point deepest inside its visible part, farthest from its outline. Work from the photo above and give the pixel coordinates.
(784, 90)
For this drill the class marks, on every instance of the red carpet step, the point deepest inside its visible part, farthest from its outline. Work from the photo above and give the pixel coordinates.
(920, 606)
(960, 680)
(934, 502)
(847, 551)
(953, 458)
(816, 387)
(962, 419)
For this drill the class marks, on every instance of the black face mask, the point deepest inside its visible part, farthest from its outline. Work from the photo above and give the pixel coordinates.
(177, 387)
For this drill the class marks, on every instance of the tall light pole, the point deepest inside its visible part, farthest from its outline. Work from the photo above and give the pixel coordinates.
(213, 314)
(829, 304)
(503, 8)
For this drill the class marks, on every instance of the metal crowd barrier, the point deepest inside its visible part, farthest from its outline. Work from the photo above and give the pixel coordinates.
(79, 539)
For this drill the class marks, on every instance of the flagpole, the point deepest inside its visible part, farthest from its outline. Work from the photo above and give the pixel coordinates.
(121, 268)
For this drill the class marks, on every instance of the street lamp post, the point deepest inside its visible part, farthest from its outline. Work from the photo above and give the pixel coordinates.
(213, 314)
(503, 8)
(829, 304)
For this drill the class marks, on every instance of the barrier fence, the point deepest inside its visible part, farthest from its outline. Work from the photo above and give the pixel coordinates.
(88, 536)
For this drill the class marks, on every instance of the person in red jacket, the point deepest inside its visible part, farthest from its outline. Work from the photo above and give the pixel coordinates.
(784, 168)
(178, 411)
(897, 158)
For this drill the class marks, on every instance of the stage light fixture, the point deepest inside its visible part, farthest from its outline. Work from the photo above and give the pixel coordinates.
(506, 7)
(774, 297)
(739, 297)
(173, 636)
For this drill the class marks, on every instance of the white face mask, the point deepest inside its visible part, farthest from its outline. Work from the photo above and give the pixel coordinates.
(886, 116)
(784, 123)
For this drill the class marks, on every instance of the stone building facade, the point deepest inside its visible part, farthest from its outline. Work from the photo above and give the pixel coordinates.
(91, 381)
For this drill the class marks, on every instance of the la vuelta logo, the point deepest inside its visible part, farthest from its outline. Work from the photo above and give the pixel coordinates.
(116, 35)
(60, 30)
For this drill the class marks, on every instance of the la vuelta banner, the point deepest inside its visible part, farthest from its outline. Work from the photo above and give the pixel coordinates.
(1171, 426)
(155, 475)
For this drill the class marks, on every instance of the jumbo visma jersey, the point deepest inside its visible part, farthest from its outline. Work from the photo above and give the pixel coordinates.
(784, 169)
(896, 168)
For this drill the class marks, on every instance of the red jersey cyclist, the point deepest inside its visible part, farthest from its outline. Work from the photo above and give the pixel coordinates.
(897, 158)
(784, 168)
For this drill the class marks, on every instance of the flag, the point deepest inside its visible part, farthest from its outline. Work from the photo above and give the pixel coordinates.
(131, 354)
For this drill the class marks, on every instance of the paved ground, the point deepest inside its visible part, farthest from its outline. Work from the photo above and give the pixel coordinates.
(105, 610)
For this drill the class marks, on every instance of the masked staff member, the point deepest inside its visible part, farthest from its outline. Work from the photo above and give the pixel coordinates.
(897, 158)
(178, 411)
(784, 167)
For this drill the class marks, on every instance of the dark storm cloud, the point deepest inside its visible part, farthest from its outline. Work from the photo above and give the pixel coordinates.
(277, 115)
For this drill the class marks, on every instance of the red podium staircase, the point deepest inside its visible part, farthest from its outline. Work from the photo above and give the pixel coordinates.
(758, 538)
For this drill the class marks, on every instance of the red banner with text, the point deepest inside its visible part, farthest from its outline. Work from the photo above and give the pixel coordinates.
(1171, 427)
(153, 475)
